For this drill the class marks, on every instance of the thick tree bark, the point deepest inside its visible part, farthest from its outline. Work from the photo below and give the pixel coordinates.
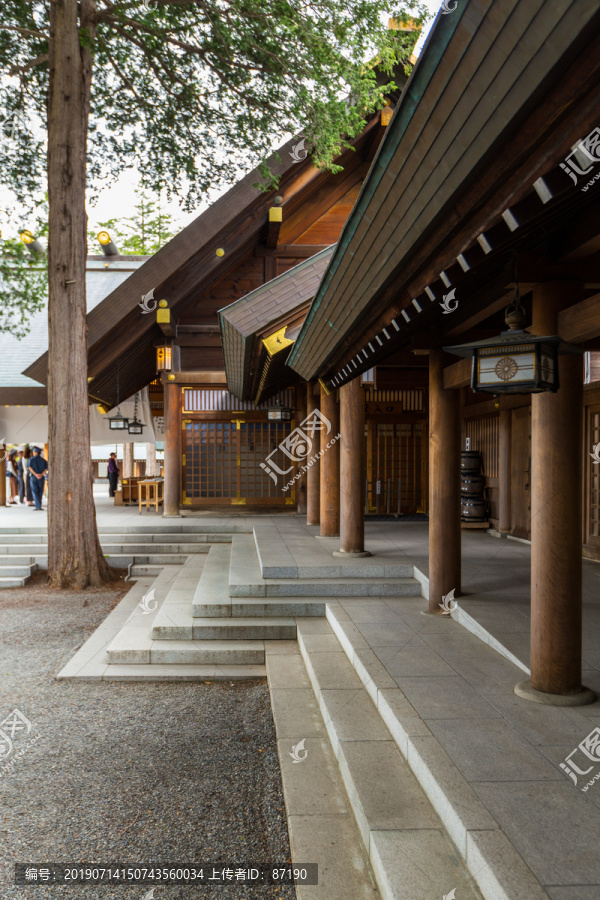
(74, 554)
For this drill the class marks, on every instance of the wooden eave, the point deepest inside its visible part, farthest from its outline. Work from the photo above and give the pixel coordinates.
(187, 266)
(261, 312)
(498, 98)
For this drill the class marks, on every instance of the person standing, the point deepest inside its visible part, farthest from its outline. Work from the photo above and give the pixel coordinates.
(37, 471)
(28, 476)
(113, 474)
(11, 474)
(21, 473)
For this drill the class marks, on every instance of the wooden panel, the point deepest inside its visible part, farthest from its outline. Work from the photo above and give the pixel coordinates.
(520, 473)
(580, 321)
(591, 493)
(483, 434)
(328, 227)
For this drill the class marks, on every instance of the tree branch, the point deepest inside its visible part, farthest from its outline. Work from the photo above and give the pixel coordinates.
(16, 70)
(26, 31)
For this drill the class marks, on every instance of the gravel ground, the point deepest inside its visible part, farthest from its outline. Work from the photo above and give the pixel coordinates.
(130, 773)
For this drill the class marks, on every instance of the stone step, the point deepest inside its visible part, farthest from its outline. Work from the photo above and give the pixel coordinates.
(184, 653)
(147, 570)
(249, 629)
(19, 571)
(165, 536)
(122, 560)
(481, 845)
(399, 827)
(155, 673)
(320, 821)
(139, 549)
(9, 581)
(348, 580)
(12, 559)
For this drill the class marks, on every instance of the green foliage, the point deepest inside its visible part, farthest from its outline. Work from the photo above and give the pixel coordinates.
(193, 91)
(23, 282)
(141, 234)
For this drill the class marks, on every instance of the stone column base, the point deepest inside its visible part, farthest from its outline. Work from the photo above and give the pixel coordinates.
(524, 690)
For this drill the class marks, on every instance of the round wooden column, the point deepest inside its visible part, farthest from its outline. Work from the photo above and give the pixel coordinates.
(330, 467)
(504, 486)
(556, 511)
(352, 469)
(301, 483)
(172, 466)
(313, 502)
(444, 485)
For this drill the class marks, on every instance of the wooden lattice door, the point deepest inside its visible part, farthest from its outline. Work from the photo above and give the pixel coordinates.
(221, 462)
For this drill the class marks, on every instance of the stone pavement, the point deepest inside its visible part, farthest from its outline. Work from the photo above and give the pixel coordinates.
(488, 762)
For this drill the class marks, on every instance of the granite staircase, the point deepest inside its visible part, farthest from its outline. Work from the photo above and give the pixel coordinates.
(212, 616)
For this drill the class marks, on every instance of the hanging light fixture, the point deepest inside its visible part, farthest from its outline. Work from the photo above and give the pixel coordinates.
(136, 427)
(164, 358)
(118, 422)
(516, 362)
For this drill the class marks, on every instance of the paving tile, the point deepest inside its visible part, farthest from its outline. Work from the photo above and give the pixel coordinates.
(453, 798)
(314, 625)
(551, 824)
(382, 789)
(371, 671)
(499, 870)
(542, 725)
(450, 698)
(575, 892)
(492, 750)
(400, 717)
(296, 712)
(286, 672)
(344, 873)
(352, 716)
(380, 634)
(328, 642)
(419, 865)
(311, 786)
(369, 611)
(333, 671)
(414, 657)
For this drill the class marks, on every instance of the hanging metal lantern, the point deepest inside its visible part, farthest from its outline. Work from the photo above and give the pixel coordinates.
(135, 427)
(516, 362)
(118, 422)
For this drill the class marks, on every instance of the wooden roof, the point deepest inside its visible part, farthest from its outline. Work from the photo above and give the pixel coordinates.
(499, 96)
(196, 282)
(278, 303)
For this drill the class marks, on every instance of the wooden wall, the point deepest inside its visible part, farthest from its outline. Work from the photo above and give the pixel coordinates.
(483, 433)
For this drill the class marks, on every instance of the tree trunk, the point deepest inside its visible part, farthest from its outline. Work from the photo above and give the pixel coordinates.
(75, 557)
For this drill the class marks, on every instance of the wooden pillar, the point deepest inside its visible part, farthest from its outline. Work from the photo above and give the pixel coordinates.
(352, 469)
(127, 460)
(172, 466)
(313, 501)
(4, 454)
(556, 510)
(330, 467)
(504, 479)
(444, 486)
(301, 483)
